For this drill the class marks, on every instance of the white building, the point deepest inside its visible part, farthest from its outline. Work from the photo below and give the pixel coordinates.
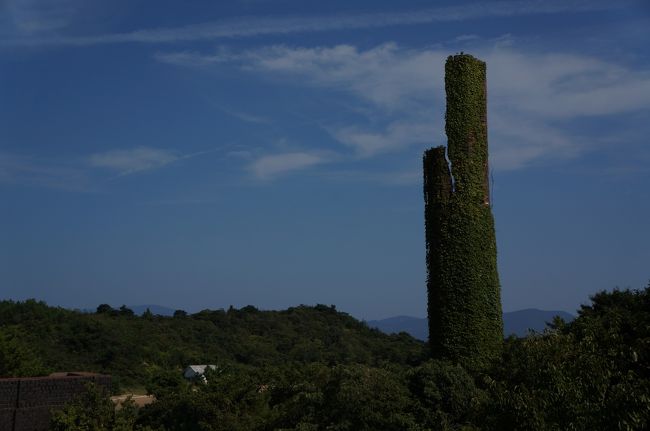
(193, 372)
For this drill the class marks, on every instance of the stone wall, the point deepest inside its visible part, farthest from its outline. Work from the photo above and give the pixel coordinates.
(26, 403)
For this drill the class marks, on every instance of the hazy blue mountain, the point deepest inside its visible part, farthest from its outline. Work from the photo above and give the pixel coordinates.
(416, 326)
(514, 322)
(519, 322)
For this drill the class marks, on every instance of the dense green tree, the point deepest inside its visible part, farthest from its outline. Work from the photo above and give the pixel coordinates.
(165, 382)
(128, 347)
(446, 396)
(180, 313)
(105, 309)
(17, 358)
(126, 311)
(590, 374)
(229, 401)
(364, 398)
(94, 411)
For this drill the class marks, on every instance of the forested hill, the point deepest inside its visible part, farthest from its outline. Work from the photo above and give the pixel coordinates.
(40, 339)
(313, 368)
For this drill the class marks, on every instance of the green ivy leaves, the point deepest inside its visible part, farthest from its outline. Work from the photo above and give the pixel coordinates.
(464, 303)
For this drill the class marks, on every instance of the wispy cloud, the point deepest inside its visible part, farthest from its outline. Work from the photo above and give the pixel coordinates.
(531, 95)
(270, 166)
(244, 116)
(85, 173)
(134, 160)
(517, 140)
(193, 58)
(30, 171)
(387, 76)
(399, 134)
(560, 85)
(553, 85)
(259, 26)
(130, 161)
(37, 16)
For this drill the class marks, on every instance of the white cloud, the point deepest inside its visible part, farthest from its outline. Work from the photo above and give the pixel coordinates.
(257, 26)
(23, 170)
(551, 85)
(564, 86)
(191, 58)
(81, 174)
(530, 94)
(243, 116)
(397, 135)
(387, 75)
(515, 141)
(388, 78)
(34, 16)
(269, 166)
(139, 159)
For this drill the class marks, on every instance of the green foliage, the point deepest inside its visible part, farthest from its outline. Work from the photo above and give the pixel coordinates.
(147, 314)
(17, 359)
(165, 382)
(94, 411)
(180, 314)
(125, 311)
(343, 397)
(228, 401)
(435, 396)
(464, 304)
(105, 309)
(129, 347)
(446, 395)
(364, 398)
(591, 374)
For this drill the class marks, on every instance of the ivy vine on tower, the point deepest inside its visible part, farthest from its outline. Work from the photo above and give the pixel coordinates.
(464, 300)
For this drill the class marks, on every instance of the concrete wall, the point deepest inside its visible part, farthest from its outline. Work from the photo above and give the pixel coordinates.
(26, 403)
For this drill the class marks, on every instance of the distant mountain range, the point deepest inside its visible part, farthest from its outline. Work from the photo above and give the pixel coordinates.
(515, 322)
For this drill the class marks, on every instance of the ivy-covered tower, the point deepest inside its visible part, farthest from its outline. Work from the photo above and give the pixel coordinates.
(464, 300)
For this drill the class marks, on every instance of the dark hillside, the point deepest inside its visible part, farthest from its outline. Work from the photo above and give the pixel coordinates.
(313, 368)
(117, 342)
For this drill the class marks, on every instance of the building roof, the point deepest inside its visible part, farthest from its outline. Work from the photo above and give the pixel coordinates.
(200, 369)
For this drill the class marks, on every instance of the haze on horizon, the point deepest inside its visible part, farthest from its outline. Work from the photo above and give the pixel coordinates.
(202, 155)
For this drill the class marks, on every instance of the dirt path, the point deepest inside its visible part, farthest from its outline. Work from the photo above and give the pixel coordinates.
(139, 400)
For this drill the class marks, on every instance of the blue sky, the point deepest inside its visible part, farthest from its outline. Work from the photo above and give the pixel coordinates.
(205, 154)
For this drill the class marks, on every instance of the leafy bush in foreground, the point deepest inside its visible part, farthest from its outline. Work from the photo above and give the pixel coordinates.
(590, 374)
